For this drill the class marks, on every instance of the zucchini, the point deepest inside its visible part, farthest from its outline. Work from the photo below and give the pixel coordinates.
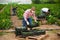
(33, 32)
(24, 34)
(18, 30)
(33, 25)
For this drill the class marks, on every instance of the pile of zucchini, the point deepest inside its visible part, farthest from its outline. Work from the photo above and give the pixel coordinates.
(24, 32)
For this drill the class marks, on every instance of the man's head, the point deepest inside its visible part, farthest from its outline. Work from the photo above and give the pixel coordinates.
(33, 8)
(48, 12)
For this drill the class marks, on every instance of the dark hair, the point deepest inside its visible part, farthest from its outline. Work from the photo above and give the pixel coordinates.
(49, 10)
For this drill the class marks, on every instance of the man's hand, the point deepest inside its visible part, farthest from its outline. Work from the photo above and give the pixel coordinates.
(27, 23)
(36, 21)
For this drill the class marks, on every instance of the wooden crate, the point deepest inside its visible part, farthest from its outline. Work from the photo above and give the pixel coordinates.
(40, 37)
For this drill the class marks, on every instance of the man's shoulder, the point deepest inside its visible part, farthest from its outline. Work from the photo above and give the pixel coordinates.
(28, 10)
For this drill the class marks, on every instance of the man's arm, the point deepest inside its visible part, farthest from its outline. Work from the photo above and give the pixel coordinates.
(34, 17)
(26, 21)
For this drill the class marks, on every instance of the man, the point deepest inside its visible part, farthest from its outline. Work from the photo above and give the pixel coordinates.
(14, 11)
(27, 20)
(44, 12)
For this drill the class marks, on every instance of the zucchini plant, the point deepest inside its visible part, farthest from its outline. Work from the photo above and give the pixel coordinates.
(1, 6)
(5, 22)
(51, 19)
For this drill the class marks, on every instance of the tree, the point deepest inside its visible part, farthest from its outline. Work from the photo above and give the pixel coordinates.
(51, 1)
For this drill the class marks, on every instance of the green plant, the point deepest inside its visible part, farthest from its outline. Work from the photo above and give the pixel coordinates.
(51, 19)
(1, 6)
(5, 22)
(20, 13)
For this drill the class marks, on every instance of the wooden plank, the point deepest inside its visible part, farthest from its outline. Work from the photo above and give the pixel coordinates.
(40, 37)
(7, 30)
